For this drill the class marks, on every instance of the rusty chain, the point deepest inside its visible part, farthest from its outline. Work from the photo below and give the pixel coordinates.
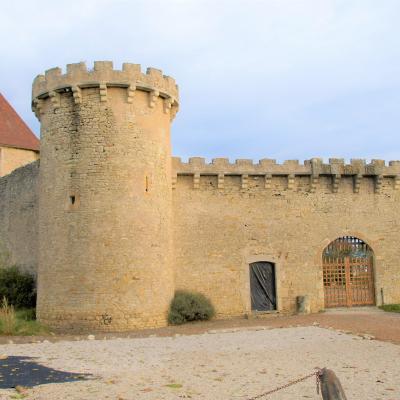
(317, 375)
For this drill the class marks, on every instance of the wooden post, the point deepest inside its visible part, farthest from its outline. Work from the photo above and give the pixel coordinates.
(331, 388)
(348, 284)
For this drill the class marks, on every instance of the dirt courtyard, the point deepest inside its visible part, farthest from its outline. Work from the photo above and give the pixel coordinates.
(225, 362)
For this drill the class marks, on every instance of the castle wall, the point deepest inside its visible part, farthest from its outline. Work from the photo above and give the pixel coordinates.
(229, 215)
(19, 216)
(116, 225)
(12, 158)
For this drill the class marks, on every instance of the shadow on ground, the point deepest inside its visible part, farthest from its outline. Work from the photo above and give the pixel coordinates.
(24, 371)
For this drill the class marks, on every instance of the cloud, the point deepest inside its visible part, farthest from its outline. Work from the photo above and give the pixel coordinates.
(273, 78)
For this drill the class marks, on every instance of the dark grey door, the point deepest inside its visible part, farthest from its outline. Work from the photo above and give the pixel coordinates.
(262, 286)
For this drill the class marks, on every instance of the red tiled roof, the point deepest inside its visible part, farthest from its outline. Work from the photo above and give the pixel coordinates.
(13, 130)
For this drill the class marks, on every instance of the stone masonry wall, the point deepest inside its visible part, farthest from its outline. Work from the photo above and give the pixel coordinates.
(105, 197)
(12, 158)
(19, 216)
(229, 215)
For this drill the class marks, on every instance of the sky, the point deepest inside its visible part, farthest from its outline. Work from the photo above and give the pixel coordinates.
(282, 79)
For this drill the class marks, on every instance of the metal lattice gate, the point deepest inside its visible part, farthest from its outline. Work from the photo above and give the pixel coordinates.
(348, 273)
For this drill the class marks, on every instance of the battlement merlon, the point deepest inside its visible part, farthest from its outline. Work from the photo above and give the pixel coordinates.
(313, 167)
(78, 76)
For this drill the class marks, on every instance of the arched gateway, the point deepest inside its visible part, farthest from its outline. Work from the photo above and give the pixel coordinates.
(348, 273)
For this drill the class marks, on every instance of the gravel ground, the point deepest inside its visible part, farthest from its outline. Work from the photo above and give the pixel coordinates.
(383, 326)
(225, 364)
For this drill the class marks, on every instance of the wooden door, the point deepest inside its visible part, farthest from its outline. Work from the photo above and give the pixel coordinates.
(262, 286)
(348, 273)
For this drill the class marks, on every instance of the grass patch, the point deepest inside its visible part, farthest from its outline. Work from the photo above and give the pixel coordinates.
(17, 300)
(8, 318)
(19, 322)
(174, 385)
(18, 396)
(391, 307)
(29, 327)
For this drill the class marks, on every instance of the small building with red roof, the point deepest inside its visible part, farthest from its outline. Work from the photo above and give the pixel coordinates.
(18, 144)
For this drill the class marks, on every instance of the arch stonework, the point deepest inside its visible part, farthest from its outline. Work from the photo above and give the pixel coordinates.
(360, 235)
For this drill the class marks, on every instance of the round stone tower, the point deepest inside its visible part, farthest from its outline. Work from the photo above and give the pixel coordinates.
(105, 196)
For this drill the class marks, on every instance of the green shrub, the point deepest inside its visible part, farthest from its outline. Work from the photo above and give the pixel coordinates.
(189, 306)
(17, 287)
(391, 307)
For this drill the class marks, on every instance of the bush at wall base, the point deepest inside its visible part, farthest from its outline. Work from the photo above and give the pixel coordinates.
(17, 287)
(189, 306)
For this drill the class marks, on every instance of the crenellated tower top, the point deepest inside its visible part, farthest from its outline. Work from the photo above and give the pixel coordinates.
(103, 75)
